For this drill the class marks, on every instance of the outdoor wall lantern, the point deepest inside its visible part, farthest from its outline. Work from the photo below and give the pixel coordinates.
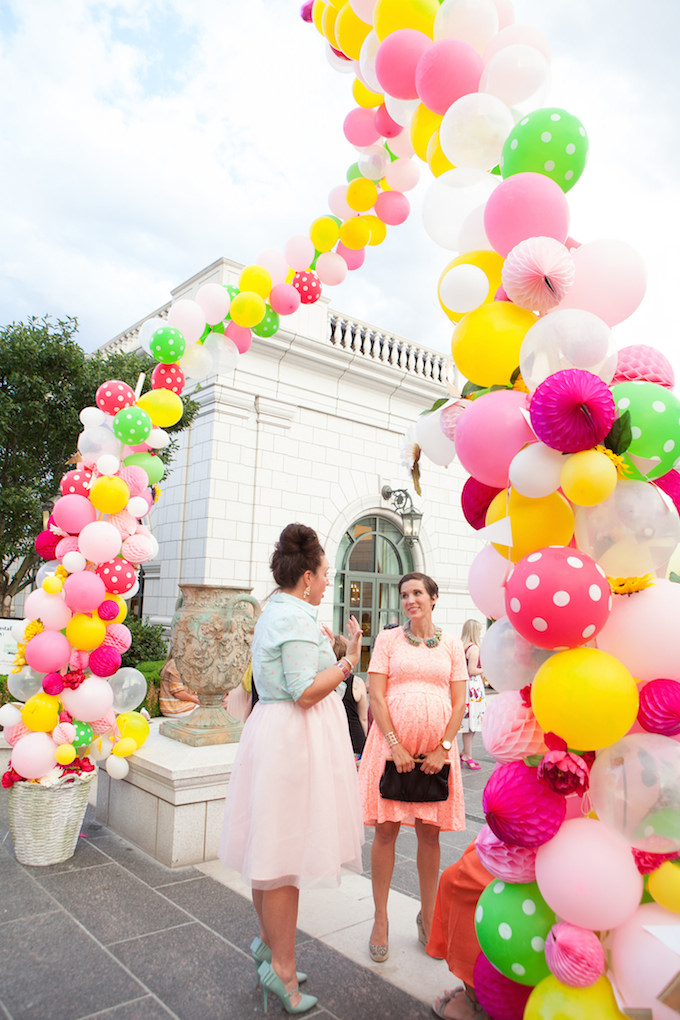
(403, 505)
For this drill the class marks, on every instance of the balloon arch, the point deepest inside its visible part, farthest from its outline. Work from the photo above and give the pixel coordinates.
(570, 447)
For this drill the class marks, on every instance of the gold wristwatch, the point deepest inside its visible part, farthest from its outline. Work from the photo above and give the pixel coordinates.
(446, 744)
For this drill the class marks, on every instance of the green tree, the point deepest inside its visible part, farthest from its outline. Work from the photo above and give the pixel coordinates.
(46, 379)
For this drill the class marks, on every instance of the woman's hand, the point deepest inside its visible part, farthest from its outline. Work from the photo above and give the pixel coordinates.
(402, 759)
(434, 761)
(354, 634)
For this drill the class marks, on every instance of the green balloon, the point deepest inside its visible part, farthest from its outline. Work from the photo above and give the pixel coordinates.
(167, 345)
(154, 467)
(132, 425)
(549, 141)
(269, 325)
(655, 424)
(354, 172)
(232, 290)
(84, 734)
(512, 923)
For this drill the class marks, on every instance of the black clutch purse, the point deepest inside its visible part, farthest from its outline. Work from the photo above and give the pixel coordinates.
(415, 786)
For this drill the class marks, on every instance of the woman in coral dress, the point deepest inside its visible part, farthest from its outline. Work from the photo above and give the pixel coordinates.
(417, 678)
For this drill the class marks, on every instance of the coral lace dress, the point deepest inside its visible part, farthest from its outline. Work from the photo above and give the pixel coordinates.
(418, 696)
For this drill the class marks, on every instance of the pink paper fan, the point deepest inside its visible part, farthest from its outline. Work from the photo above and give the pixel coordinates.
(474, 500)
(500, 996)
(670, 484)
(575, 955)
(449, 415)
(641, 363)
(572, 410)
(510, 863)
(519, 808)
(510, 730)
(537, 273)
(659, 710)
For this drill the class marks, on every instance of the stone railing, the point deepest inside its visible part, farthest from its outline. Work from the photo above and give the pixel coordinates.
(363, 339)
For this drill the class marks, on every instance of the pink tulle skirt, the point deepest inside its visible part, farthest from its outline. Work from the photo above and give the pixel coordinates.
(293, 813)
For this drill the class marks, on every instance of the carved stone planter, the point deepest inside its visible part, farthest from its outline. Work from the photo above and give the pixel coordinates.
(212, 632)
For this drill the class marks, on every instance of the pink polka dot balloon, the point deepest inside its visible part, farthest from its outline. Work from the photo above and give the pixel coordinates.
(114, 395)
(77, 482)
(558, 598)
(308, 287)
(168, 377)
(118, 575)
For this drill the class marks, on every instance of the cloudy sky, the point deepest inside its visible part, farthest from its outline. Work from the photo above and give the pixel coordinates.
(143, 139)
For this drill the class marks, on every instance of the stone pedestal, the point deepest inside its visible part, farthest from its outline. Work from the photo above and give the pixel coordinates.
(171, 803)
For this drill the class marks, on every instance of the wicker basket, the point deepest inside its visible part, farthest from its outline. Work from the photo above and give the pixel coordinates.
(45, 821)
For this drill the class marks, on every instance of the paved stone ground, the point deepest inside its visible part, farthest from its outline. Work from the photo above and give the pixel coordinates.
(113, 935)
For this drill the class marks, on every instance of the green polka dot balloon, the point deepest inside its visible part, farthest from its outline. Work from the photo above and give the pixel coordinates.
(84, 734)
(269, 325)
(167, 345)
(512, 923)
(655, 426)
(132, 425)
(549, 141)
(232, 290)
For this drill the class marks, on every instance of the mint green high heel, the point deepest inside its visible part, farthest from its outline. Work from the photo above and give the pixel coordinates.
(271, 982)
(261, 953)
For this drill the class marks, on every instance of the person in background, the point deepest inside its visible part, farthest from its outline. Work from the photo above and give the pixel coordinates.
(475, 698)
(417, 691)
(292, 814)
(175, 698)
(355, 701)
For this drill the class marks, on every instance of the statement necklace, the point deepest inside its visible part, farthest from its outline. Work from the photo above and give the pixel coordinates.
(431, 642)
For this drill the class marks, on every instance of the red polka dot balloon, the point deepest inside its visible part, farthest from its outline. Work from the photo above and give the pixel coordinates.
(558, 598)
(168, 377)
(114, 395)
(308, 286)
(118, 575)
(77, 482)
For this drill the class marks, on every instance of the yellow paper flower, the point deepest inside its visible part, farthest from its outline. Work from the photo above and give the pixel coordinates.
(621, 468)
(628, 585)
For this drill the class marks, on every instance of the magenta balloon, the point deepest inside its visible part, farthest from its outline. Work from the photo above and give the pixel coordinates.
(48, 652)
(521, 809)
(72, 512)
(642, 631)
(610, 280)
(397, 59)
(84, 591)
(486, 579)
(587, 875)
(490, 433)
(659, 710)
(449, 69)
(525, 205)
(34, 755)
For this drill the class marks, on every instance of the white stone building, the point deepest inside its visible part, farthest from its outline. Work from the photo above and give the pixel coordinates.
(308, 427)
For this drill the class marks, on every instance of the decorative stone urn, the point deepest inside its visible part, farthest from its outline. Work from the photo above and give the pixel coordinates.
(212, 632)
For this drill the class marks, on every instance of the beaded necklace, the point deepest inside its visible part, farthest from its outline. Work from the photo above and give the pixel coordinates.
(431, 642)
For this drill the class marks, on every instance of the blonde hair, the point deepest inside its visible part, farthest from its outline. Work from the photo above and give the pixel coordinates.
(471, 633)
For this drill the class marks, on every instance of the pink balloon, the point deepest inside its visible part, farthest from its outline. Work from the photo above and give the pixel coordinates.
(402, 174)
(449, 69)
(354, 257)
(99, 542)
(396, 61)
(214, 299)
(331, 268)
(610, 280)
(241, 335)
(90, 701)
(34, 755)
(83, 592)
(48, 652)
(360, 130)
(51, 610)
(384, 124)
(587, 875)
(299, 251)
(188, 317)
(642, 631)
(275, 264)
(392, 207)
(71, 513)
(486, 582)
(525, 205)
(490, 433)
(642, 965)
(284, 298)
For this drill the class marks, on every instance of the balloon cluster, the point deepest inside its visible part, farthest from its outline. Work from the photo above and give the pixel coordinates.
(74, 698)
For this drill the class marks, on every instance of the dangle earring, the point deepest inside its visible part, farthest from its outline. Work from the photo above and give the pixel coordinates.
(306, 592)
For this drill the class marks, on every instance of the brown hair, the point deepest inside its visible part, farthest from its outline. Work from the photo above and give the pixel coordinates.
(298, 549)
(430, 585)
(339, 645)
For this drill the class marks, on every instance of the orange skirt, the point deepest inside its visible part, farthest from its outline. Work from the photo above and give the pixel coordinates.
(453, 936)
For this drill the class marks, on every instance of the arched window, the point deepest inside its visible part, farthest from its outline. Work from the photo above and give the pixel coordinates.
(372, 556)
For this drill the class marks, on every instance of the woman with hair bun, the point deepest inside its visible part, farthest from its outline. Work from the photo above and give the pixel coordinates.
(292, 814)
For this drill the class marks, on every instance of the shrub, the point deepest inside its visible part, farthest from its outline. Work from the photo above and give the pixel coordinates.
(148, 643)
(152, 672)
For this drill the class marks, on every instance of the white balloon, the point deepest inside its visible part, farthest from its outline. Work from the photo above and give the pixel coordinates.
(463, 288)
(516, 75)
(473, 131)
(197, 363)
(108, 464)
(147, 330)
(536, 470)
(367, 55)
(138, 506)
(46, 570)
(18, 627)
(117, 767)
(10, 715)
(401, 110)
(567, 338)
(73, 561)
(363, 9)
(158, 439)
(509, 661)
(223, 351)
(90, 417)
(450, 203)
(474, 21)
(338, 63)
(431, 439)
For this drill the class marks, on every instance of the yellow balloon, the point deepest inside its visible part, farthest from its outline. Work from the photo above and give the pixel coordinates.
(65, 754)
(377, 228)
(247, 308)
(355, 233)
(663, 885)
(110, 495)
(586, 696)
(391, 15)
(328, 24)
(85, 632)
(436, 160)
(256, 279)
(423, 125)
(535, 523)
(486, 342)
(324, 232)
(551, 1000)
(588, 477)
(124, 747)
(164, 407)
(490, 262)
(52, 585)
(41, 712)
(317, 15)
(361, 194)
(133, 725)
(364, 97)
(350, 31)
